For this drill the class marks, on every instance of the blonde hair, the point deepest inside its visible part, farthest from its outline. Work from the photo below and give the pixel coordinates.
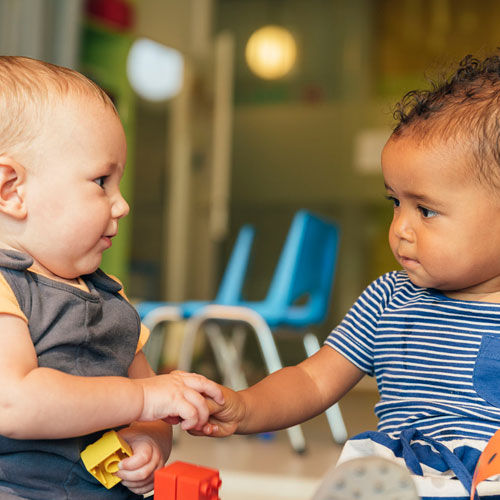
(28, 88)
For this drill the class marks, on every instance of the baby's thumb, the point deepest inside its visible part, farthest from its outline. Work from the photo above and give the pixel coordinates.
(213, 406)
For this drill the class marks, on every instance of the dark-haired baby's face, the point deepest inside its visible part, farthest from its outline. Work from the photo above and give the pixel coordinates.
(445, 230)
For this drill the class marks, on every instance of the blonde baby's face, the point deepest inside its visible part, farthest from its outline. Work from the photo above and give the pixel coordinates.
(445, 230)
(73, 196)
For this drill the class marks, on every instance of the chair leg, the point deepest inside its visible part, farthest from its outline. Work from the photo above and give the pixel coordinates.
(187, 347)
(269, 352)
(273, 363)
(333, 413)
(162, 313)
(264, 338)
(153, 349)
(238, 339)
(227, 357)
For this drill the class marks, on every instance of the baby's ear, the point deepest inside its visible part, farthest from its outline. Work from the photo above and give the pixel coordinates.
(12, 180)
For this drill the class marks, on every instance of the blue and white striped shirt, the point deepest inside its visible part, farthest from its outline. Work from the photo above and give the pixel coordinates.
(436, 359)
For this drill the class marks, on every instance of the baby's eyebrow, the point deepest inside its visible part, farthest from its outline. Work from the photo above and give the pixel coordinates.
(112, 166)
(424, 199)
(418, 197)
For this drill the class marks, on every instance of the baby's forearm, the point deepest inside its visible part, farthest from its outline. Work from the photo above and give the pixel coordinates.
(282, 399)
(49, 404)
(297, 393)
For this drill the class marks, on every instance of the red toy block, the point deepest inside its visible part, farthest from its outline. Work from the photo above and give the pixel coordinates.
(183, 481)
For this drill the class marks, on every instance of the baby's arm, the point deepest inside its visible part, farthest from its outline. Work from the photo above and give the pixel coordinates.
(151, 442)
(43, 403)
(286, 397)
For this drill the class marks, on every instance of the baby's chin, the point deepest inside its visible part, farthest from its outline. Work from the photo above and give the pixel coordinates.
(81, 270)
(422, 281)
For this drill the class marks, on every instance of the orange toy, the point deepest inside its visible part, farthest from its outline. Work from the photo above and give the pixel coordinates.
(183, 481)
(488, 464)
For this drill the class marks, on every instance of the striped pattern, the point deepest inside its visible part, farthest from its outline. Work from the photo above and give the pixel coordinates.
(436, 360)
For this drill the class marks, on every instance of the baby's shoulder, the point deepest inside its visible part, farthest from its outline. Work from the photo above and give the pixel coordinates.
(395, 285)
(393, 281)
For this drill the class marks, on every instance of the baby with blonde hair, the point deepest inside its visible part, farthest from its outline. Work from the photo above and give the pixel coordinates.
(71, 359)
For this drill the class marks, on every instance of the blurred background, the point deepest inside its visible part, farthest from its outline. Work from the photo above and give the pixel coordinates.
(225, 144)
(229, 146)
(220, 135)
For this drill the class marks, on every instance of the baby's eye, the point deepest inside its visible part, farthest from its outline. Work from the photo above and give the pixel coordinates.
(427, 212)
(394, 201)
(100, 180)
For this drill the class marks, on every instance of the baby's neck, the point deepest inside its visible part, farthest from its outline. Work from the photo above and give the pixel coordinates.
(39, 269)
(492, 297)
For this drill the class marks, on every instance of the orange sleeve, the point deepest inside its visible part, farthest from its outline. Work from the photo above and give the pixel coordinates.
(8, 301)
(143, 338)
(144, 333)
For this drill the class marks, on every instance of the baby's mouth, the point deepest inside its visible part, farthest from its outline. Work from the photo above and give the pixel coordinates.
(407, 261)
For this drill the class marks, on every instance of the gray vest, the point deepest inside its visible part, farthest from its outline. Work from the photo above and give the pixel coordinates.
(82, 333)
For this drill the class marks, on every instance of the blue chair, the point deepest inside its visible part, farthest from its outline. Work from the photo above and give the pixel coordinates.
(154, 313)
(298, 298)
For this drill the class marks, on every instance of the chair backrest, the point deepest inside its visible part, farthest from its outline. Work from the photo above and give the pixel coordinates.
(229, 292)
(306, 266)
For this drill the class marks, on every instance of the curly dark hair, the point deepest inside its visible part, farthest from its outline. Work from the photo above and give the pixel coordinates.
(465, 106)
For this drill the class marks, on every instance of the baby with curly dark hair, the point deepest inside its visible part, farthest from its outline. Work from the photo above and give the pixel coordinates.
(429, 333)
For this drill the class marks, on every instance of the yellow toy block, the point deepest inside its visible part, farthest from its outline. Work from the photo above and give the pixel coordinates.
(102, 457)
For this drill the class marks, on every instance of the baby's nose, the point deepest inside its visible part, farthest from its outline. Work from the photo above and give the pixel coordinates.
(402, 228)
(120, 208)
